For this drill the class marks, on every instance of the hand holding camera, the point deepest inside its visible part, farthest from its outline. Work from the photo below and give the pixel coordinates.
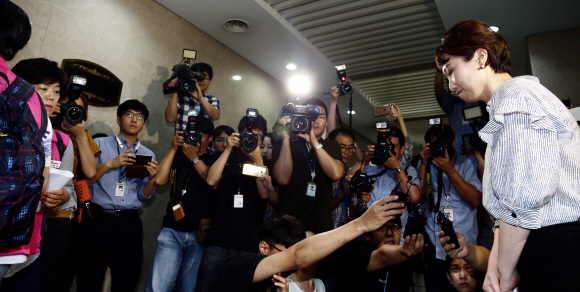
(177, 140)
(77, 129)
(233, 141)
(309, 137)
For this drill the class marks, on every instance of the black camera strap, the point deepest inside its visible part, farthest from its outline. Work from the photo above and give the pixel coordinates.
(379, 174)
(429, 180)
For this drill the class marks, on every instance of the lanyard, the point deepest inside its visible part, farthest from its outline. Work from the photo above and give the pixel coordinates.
(121, 146)
(447, 194)
(312, 169)
(386, 279)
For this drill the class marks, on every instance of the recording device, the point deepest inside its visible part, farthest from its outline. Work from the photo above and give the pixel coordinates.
(383, 110)
(301, 117)
(184, 75)
(191, 135)
(138, 169)
(253, 170)
(439, 146)
(70, 110)
(249, 140)
(416, 221)
(344, 87)
(361, 182)
(447, 227)
(403, 197)
(383, 149)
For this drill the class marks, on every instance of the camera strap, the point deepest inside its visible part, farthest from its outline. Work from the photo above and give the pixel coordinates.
(379, 174)
(429, 181)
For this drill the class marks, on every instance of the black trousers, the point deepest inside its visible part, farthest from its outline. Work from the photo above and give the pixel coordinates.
(550, 260)
(115, 242)
(54, 248)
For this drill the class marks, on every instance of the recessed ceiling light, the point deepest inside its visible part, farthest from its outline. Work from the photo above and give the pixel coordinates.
(237, 77)
(494, 28)
(291, 66)
(349, 112)
(236, 25)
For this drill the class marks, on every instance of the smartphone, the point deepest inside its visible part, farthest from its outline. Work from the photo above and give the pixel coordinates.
(253, 170)
(142, 159)
(383, 110)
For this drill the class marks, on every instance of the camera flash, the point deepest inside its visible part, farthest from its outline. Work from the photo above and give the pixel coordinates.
(79, 80)
(381, 125)
(436, 121)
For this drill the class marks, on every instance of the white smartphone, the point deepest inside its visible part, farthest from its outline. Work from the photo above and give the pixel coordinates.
(254, 170)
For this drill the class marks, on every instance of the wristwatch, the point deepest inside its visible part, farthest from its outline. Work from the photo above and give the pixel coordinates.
(318, 147)
(397, 170)
(196, 160)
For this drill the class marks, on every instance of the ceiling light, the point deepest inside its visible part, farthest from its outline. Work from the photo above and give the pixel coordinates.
(299, 84)
(236, 25)
(494, 28)
(349, 112)
(291, 66)
(237, 77)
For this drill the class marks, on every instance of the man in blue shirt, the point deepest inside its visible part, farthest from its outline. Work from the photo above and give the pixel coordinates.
(391, 172)
(456, 192)
(116, 239)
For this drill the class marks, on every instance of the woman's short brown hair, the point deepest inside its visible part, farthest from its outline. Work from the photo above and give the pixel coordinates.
(464, 38)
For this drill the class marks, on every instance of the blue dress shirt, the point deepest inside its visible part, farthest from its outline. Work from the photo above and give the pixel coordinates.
(103, 191)
(464, 216)
(384, 184)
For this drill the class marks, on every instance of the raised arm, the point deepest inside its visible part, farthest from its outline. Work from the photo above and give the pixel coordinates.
(165, 165)
(171, 109)
(475, 256)
(284, 165)
(332, 110)
(214, 174)
(86, 156)
(388, 255)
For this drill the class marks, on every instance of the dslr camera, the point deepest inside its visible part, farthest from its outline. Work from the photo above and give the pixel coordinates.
(70, 110)
(191, 135)
(301, 117)
(344, 87)
(383, 149)
(439, 146)
(249, 140)
(184, 75)
(361, 182)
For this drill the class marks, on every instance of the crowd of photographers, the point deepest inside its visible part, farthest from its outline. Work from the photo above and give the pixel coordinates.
(248, 210)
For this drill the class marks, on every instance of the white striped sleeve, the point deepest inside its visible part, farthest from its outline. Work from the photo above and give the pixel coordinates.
(525, 170)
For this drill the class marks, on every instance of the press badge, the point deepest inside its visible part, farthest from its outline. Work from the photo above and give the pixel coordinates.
(311, 189)
(119, 189)
(239, 201)
(449, 213)
(55, 164)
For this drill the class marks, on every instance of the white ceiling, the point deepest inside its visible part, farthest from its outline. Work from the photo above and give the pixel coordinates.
(388, 46)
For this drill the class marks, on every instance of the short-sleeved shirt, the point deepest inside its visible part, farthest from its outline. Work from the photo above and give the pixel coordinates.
(464, 216)
(237, 228)
(186, 103)
(94, 149)
(238, 275)
(384, 184)
(314, 212)
(350, 263)
(103, 191)
(198, 201)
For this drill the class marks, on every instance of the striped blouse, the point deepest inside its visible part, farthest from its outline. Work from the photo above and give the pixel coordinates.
(532, 163)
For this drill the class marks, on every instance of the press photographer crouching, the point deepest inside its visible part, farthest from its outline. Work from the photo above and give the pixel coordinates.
(179, 244)
(452, 189)
(244, 188)
(306, 165)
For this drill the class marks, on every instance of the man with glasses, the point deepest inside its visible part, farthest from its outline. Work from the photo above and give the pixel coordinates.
(115, 240)
(339, 201)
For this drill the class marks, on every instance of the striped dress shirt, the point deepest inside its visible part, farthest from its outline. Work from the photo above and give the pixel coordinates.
(532, 163)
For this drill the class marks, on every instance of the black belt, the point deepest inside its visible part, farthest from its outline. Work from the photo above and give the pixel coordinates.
(122, 213)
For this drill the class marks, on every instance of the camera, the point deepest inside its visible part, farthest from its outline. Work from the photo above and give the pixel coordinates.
(416, 221)
(344, 87)
(191, 135)
(438, 147)
(301, 117)
(249, 140)
(361, 182)
(70, 110)
(184, 75)
(383, 149)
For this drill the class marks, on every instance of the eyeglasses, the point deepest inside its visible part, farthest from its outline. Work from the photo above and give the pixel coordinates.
(396, 229)
(348, 149)
(275, 247)
(130, 115)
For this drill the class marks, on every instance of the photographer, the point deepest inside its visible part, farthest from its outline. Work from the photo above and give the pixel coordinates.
(241, 202)
(456, 190)
(178, 253)
(305, 170)
(181, 103)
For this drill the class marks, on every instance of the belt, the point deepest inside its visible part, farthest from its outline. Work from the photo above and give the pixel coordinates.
(122, 213)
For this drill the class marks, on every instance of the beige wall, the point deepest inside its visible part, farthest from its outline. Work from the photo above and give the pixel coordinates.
(139, 41)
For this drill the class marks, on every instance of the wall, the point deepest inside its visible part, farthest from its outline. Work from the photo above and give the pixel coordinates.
(139, 41)
(555, 60)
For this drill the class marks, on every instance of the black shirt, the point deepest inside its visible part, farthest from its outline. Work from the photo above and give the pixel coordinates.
(315, 213)
(237, 228)
(350, 263)
(198, 202)
(238, 275)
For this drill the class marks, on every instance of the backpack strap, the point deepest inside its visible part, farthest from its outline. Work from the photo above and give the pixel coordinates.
(60, 144)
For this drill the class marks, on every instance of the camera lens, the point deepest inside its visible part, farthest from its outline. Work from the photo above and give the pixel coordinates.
(191, 139)
(75, 114)
(357, 184)
(300, 124)
(249, 143)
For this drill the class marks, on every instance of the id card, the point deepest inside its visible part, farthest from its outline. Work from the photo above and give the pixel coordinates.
(239, 201)
(311, 189)
(55, 164)
(119, 189)
(449, 213)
